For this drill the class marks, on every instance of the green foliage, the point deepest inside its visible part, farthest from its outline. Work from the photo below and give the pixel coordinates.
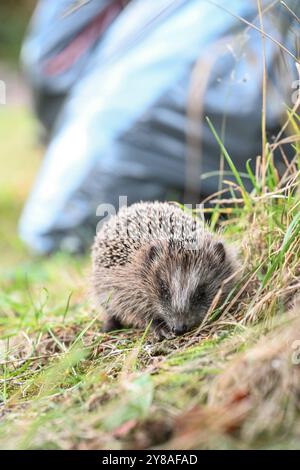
(14, 18)
(64, 384)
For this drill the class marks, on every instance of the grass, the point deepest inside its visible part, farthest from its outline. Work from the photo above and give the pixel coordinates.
(231, 384)
(14, 19)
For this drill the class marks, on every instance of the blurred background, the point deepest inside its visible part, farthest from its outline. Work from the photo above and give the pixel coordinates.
(19, 155)
(15, 15)
(112, 101)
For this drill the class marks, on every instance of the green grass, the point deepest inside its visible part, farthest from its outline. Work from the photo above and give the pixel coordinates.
(65, 385)
(14, 19)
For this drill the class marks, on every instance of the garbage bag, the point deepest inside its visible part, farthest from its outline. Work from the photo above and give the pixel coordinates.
(131, 119)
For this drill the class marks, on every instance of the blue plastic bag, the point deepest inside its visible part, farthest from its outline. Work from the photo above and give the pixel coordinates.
(131, 104)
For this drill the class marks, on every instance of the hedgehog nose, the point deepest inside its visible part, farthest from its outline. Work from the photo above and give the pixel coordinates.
(180, 330)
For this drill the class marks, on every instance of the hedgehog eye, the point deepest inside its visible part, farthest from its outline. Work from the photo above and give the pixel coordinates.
(198, 295)
(164, 290)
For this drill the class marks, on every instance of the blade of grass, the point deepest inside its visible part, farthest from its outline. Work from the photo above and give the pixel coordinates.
(231, 165)
(252, 177)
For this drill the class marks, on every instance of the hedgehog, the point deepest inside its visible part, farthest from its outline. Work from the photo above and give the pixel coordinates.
(156, 264)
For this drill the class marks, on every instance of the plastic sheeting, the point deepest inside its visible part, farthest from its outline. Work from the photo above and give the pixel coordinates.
(130, 100)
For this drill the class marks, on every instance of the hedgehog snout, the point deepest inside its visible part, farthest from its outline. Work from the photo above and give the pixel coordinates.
(180, 325)
(180, 330)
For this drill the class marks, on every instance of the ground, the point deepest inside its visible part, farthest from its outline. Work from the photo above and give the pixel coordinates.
(232, 384)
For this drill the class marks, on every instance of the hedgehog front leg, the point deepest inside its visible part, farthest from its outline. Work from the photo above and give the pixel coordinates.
(161, 330)
(111, 323)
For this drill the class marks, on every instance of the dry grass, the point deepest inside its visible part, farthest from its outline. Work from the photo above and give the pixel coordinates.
(256, 398)
(233, 383)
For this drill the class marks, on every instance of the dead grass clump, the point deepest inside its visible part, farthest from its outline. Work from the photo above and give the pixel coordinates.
(256, 397)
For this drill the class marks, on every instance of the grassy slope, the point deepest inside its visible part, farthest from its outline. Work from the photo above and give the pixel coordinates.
(63, 384)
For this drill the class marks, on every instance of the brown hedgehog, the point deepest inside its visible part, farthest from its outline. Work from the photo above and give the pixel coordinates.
(155, 262)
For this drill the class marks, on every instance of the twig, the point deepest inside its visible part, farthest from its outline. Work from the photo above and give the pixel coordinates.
(290, 11)
(257, 29)
(264, 101)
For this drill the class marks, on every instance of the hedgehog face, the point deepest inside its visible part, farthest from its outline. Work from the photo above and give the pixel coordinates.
(184, 282)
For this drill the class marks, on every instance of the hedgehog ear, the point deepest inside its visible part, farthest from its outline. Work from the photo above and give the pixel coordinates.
(152, 253)
(220, 252)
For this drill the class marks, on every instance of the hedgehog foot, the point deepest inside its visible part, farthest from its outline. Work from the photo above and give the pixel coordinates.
(111, 323)
(161, 330)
